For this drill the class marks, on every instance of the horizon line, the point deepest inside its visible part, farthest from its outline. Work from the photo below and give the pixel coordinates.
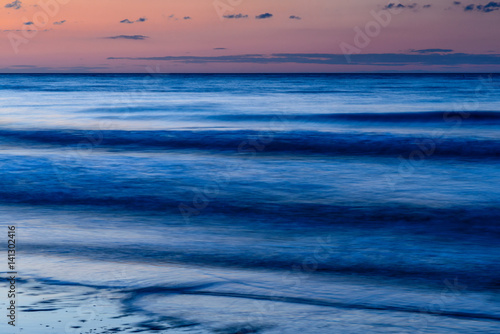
(231, 73)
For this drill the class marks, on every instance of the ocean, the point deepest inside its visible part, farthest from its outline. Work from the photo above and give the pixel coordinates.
(307, 203)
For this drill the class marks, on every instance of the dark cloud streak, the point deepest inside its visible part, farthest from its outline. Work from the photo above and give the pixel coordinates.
(131, 37)
(127, 21)
(432, 50)
(488, 8)
(400, 6)
(45, 69)
(409, 6)
(235, 16)
(375, 59)
(264, 16)
(14, 5)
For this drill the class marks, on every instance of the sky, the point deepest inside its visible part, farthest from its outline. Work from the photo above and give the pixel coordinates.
(249, 36)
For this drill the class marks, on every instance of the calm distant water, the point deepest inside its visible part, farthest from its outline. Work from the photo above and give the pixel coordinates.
(260, 203)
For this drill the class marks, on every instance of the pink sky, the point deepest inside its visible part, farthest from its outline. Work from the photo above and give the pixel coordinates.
(82, 43)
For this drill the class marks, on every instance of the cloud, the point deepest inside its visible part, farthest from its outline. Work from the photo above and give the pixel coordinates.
(400, 6)
(59, 22)
(488, 8)
(134, 37)
(409, 6)
(456, 3)
(236, 16)
(432, 50)
(187, 18)
(141, 19)
(28, 23)
(491, 6)
(172, 17)
(23, 66)
(24, 69)
(374, 59)
(15, 5)
(294, 17)
(23, 30)
(44, 69)
(264, 16)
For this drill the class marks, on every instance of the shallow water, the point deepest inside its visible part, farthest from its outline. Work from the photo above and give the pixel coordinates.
(253, 203)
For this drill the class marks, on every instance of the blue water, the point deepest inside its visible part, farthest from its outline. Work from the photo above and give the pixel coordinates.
(257, 203)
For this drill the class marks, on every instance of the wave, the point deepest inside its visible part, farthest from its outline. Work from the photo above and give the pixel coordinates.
(444, 117)
(254, 142)
(316, 302)
(401, 269)
(132, 299)
(108, 194)
(165, 109)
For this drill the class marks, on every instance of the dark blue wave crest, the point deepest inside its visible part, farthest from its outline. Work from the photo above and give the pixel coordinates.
(254, 142)
(444, 117)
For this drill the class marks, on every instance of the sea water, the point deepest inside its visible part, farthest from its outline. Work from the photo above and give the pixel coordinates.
(343, 203)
